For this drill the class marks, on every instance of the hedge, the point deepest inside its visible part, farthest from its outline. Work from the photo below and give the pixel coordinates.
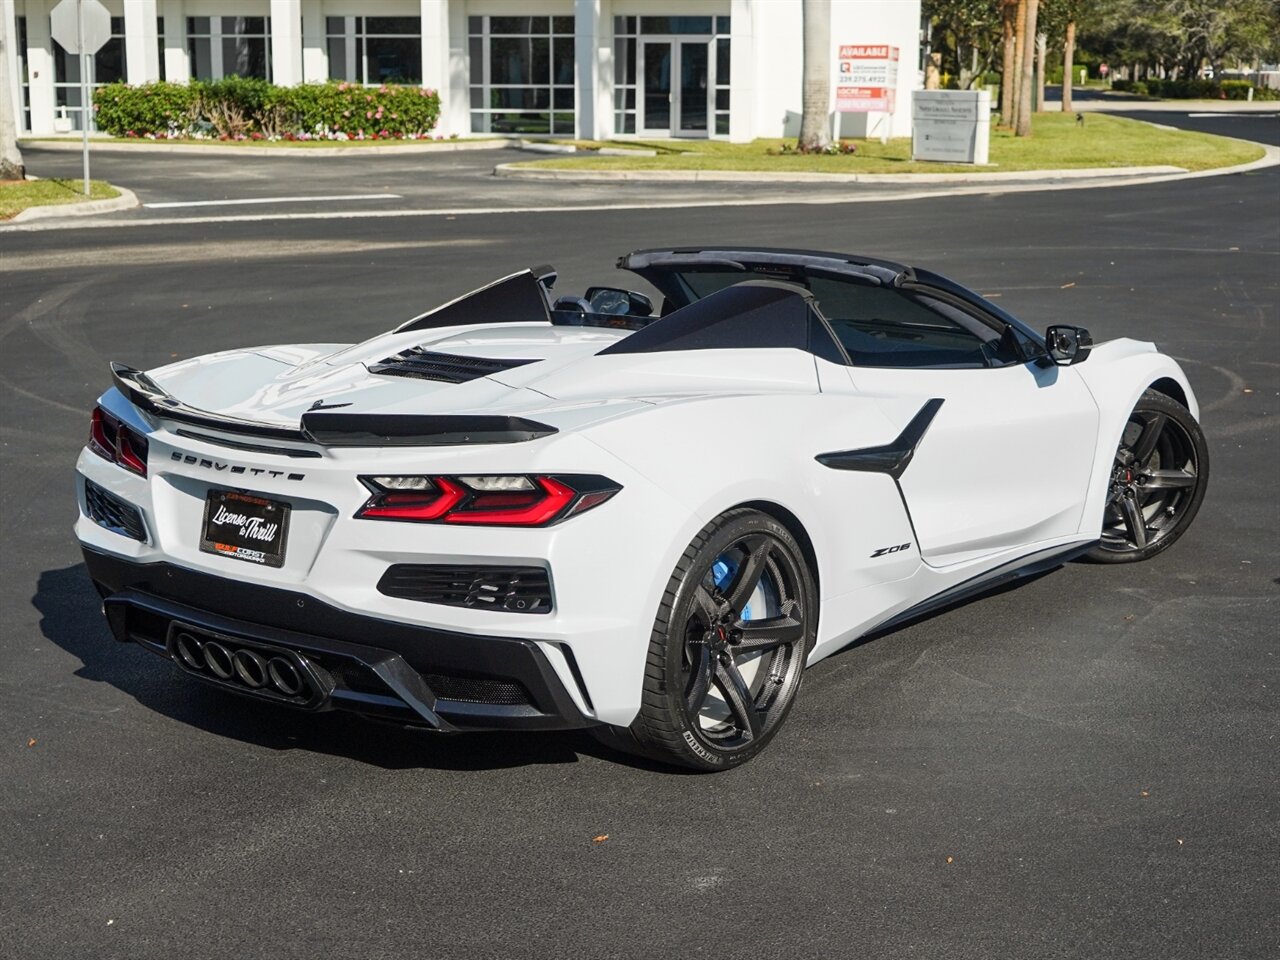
(240, 108)
(1197, 89)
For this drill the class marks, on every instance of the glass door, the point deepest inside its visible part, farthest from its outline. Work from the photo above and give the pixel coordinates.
(691, 104)
(675, 94)
(656, 94)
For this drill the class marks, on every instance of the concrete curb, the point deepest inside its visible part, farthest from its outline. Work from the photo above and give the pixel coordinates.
(537, 146)
(149, 146)
(84, 208)
(516, 171)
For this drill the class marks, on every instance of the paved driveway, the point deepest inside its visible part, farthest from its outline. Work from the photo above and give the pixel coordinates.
(1084, 766)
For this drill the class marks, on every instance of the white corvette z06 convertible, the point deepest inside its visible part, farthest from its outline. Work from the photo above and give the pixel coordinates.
(519, 511)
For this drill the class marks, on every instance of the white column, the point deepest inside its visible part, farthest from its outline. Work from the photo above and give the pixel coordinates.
(455, 97)
(141, 42)
(435, 59)
(742, 72)
(586, 55)
(177, 61)
(286, 42)
(40, 66)
(315, 54)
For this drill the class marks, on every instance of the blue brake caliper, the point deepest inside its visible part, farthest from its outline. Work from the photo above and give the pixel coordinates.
(722, 572)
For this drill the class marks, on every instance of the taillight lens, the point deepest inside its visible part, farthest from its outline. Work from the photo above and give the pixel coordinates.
(112, 440)
(505, 500)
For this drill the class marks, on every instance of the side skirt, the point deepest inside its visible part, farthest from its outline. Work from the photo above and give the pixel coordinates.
(1017, 569)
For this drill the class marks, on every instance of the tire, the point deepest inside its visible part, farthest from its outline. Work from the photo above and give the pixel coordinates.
(726, 657)
(1157, 483)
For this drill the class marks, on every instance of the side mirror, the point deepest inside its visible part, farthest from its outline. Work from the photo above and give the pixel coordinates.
(1068, 345)
(618, 302)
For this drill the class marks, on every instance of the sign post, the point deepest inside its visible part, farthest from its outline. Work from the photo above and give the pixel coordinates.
(81, 27)
(867, 79)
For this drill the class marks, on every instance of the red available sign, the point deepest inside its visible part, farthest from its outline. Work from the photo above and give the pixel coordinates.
(866, 78)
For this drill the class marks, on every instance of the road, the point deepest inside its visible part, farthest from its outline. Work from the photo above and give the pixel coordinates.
(1082, 766)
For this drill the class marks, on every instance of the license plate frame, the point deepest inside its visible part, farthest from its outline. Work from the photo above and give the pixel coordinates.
(239, 526)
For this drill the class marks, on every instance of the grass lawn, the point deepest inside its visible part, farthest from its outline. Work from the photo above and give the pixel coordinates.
(279, 144)
(1058, 143)
(17, 195)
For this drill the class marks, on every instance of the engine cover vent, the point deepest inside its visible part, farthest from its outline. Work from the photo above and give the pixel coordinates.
(445, 367)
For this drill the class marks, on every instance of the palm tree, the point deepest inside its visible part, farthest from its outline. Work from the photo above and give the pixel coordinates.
(1068, 64)
(1008, 23)
(1026, 89)
(1019, 44)
(11, 167)
(815, 135)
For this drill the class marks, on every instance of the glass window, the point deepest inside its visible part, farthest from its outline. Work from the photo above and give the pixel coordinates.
(522, 74)
(393, 26)
(108, 65)
(676, 24)
(374, 50)
(24, 121)
(229, 47)
(519, 25)
(883, 327)
(624, 75)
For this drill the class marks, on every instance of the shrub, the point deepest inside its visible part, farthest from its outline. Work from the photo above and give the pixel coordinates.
(240, 107)
(233, 104)
(157, 109)
(388, 110)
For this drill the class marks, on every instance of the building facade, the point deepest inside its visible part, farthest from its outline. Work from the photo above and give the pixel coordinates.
(593, 69)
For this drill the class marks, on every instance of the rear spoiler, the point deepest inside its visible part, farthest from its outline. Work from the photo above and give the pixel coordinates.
(335, 429)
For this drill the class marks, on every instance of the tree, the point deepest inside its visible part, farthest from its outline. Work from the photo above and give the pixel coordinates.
(1174, 38)
(967, 35)
(1068, 65)
(1026, 86)
(815, 135)
(11, 166)
(1008, 23)
(1019, 51)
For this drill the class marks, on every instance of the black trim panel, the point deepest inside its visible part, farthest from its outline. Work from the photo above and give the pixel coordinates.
(418, 430)
(892, 458)
(399, 654)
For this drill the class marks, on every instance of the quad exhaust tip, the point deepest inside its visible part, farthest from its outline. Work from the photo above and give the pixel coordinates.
(274, 673)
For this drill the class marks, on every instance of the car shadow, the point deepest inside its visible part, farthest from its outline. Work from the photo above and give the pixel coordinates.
(71, 619)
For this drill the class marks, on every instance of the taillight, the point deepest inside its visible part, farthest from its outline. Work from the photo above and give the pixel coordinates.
(506, 500)
(112, 440)
(102, 434)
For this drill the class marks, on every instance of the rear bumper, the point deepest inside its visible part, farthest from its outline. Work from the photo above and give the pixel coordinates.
(405, 673)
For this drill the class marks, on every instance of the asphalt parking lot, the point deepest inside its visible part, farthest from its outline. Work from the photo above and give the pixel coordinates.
(1084, 766)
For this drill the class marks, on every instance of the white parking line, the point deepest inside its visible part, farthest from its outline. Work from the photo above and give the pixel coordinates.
(251, 200)
(1251, 116)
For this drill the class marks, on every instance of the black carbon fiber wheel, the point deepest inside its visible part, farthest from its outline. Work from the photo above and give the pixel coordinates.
(1158, 482)
(728, 648)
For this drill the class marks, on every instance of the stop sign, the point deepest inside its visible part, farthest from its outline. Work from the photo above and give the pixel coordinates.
(65, 25)
(1103, 69)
